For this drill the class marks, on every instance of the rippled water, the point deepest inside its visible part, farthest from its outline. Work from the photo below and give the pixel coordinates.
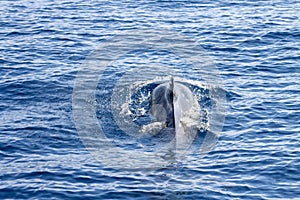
(255, 46)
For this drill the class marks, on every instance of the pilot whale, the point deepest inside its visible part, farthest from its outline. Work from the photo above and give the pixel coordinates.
(171, 106)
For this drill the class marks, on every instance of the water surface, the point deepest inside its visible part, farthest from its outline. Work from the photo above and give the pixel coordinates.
(255, 46)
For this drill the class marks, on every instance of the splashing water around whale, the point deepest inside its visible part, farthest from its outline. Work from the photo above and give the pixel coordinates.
(149, 108)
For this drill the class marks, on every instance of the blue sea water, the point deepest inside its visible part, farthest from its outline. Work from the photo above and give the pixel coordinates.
(255, 46)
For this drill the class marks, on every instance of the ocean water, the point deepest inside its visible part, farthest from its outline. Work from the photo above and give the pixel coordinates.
(254, 45)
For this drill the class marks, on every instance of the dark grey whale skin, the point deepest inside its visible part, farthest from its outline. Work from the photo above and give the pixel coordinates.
(163, 95)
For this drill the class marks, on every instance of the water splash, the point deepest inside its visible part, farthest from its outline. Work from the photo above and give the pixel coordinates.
(129, 66)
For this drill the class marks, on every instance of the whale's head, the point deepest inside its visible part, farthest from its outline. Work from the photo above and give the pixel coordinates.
(173, 105)
(170, 101)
